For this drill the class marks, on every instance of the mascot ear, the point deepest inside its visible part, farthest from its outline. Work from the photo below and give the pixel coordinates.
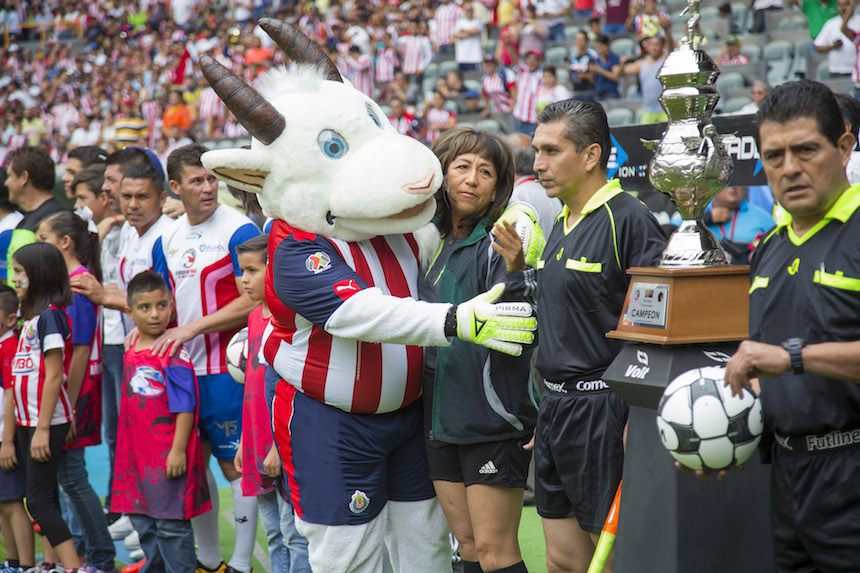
(245, 169)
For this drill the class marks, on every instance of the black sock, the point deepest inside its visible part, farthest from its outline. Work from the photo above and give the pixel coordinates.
(515, 568)
(472, 567)
(13, 563)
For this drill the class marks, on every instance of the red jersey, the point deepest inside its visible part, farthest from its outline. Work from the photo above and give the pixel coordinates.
(50, 330)
(256, 419)
(155, 389)
(8, 345)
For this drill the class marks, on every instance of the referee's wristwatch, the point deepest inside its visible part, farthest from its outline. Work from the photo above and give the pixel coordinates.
(794, 346)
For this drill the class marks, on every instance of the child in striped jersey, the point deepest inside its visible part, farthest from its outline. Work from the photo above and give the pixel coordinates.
(43, 411)
(257, 457)
(14, 521)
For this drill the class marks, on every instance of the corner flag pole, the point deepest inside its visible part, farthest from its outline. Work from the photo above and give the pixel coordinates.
(607, 536)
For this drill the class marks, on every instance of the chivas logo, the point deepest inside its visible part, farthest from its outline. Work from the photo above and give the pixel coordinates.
(359, 502)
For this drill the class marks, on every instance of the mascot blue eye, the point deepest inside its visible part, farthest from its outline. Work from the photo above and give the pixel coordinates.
(332, 144)
(374, 118)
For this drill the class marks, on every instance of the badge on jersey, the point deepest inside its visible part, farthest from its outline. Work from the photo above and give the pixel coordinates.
(147, 382)
(188, 258)
(318, 262)
(359, 502)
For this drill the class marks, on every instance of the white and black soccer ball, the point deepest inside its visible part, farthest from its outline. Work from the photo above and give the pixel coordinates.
(237, 355)
(703, 426)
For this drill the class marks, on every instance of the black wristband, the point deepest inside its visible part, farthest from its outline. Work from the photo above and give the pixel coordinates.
(451, 322)
(794, 346)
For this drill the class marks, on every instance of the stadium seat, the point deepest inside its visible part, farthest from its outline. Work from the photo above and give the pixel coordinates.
(709, 14)
(452, 106)
(752, 51)
(623, 47)
(557, 55)
(473, 85)
(490, 125)
(490, 48)
(386, 109)
(570, 32)
(447, 66)
(778, 50)
(779, 72)
(428, 84)
(730, 81)
(620, 116)
(822, 72)
(736, 103)
(793, 21)
(741, 16)
(465, 124)
(431, 71)
(631, 91)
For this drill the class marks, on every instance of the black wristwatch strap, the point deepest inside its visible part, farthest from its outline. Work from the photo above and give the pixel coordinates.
(794, 346)
(451, 322)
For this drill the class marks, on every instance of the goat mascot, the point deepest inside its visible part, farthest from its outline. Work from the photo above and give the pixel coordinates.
(347, 193)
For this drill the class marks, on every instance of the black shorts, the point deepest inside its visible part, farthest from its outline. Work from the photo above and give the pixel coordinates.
(579, 456)
(13, 485)
(815, 510)
(504, 463)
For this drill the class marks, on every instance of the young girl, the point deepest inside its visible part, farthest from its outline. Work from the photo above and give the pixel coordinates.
(43, 411)
(80, 251)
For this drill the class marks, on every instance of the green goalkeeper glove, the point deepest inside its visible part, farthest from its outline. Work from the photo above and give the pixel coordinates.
(503, 327)
(524, 219)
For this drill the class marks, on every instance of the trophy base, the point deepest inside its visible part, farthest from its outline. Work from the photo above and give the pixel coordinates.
(685, 305)
(693, 245)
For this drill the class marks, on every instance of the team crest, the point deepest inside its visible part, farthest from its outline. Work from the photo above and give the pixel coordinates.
(318, 262)
(188, 258)
(358, 502)
(31, 334)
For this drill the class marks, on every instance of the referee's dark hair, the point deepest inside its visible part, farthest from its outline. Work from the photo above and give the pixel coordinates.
(146, 281)
(804, 98)
(850, 108)
(585, 124)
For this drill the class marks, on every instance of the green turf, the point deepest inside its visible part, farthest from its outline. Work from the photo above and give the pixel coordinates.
(531, 537)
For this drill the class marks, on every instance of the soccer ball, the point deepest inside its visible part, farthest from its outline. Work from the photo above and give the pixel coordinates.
(237, 355)
(703, 426)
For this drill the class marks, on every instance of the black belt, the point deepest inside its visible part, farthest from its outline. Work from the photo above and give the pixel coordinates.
(817, 443)
(575, 386)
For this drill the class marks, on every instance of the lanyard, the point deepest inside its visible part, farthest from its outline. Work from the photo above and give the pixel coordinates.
(732, 232)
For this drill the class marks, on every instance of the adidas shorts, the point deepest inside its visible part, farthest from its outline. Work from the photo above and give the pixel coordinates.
(579, 456)
(504, 463)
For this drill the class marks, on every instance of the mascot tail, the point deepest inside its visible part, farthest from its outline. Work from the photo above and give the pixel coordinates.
(607, 536)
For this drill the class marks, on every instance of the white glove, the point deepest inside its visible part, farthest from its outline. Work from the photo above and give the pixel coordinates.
(503, 327)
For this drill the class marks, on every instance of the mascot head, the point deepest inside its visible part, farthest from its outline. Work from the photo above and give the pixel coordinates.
(323, 156)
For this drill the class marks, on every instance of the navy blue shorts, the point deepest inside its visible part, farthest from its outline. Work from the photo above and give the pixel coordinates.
(221, 414)
(815, 510)
(342, 468)
(13, 485)
(579, 456)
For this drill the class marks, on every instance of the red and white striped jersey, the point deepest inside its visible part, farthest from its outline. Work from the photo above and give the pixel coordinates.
(528, 86)
(64, 115)
(497, 87)
(199, 263)
(210, 105)
(387, 62)
(416, 52)
(434, 117)
(405, 125)
(50, 330)
(359, 71)
(446, 17)
(309, 280)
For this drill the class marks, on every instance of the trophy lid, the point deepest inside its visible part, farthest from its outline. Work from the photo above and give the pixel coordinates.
(686, 66)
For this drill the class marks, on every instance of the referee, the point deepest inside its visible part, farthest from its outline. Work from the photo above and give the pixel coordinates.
(805, 331)
(582, 282)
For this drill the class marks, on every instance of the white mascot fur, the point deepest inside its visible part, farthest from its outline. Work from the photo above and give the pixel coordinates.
(347, 193)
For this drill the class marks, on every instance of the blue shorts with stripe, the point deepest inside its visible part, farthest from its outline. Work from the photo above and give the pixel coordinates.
(221, 414)
(343, 468)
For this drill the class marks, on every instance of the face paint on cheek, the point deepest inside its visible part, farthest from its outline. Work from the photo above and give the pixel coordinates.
(23, 283)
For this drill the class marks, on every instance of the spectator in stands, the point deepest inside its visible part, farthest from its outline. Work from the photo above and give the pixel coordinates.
(359, 70)
(468, 33)
(731, 53)
(88, 132)
(454, 84)
(594, 28)
(472, 101)
(528, 85)
(9, 215)
(655, 49)
(552, 14)
(499, 90)
(438, 118)
(416, 52)
(533, 33)
(177, 117)
(840, 50)
(616, 16)
(551, 90)
(646, 20)
(606, 69)
(402, 121)
(736, 223)
(581, 78)
(33, 126)
(508, 44)
(445, 18)
(400, 88)
(760, 9)
(817, 13)
(760, 89)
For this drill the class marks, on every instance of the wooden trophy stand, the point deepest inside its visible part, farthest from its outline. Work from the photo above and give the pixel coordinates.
(680, 319)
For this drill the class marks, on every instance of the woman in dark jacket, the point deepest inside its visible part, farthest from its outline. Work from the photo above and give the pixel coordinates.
(479, 404)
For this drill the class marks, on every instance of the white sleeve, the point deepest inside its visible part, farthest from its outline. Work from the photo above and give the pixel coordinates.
(372, 316)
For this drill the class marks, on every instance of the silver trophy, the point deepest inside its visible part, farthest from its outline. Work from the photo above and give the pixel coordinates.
(690, 163)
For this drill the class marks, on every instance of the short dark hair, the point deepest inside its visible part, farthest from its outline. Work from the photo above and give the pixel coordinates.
(148, 172)
(92, 176)
(259, 244)
(549, 68)
(88, 155)
(457, 142)
(48, 278)
(37, 162)
(5, 203)
(8, 299)
(181, 156)
(585, 124)
(804, 98)
(146, 281)
(850, 108)
(126, 157)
